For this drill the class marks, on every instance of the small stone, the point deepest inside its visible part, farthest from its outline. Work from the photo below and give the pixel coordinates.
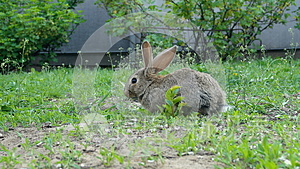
(58, 166)
(39, 144)
(190, 153)
(151, 161)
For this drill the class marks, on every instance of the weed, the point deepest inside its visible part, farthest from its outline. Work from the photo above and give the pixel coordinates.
(11, 159)
(70, 157)
(173, 104)
(109, 155)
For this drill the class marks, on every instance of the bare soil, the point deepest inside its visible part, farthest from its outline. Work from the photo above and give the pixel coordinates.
(131, 146)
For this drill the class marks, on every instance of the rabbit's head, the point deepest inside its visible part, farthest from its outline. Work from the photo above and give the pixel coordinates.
(140, 80)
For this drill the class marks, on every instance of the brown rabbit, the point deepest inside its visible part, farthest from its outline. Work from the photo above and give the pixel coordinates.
(201, 92)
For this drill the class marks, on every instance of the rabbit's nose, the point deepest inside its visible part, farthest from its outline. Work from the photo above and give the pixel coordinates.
(129, 93)
(126, 92)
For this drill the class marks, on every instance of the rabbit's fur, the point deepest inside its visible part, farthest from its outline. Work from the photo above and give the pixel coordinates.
(201, 92)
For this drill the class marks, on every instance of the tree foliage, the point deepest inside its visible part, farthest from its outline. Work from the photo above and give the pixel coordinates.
(232, 26)
(297, 17)
(31, 28)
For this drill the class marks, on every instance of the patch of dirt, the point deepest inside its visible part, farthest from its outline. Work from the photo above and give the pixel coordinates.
(48, 147)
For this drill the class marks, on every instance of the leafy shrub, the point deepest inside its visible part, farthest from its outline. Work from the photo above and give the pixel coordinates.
(31, 28)
(231, 25)
(297, 17)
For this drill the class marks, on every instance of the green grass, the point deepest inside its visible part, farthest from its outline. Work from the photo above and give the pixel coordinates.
(28, 98)
(261, 131)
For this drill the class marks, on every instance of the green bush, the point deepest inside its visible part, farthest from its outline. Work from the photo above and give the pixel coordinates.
(235, 24)
(231, 25)
(297, 17)
(31, 28)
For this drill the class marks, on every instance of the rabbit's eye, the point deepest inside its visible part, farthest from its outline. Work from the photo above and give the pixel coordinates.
(133, 80)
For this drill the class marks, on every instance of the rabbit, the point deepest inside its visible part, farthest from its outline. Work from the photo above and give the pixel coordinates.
(201, 92)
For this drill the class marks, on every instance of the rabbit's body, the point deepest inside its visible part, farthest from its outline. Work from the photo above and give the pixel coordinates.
(201, 92)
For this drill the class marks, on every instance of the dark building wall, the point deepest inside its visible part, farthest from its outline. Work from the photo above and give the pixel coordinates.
(95, 18)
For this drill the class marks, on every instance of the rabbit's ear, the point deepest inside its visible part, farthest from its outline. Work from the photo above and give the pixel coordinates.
(163, 60)
(147, 54)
